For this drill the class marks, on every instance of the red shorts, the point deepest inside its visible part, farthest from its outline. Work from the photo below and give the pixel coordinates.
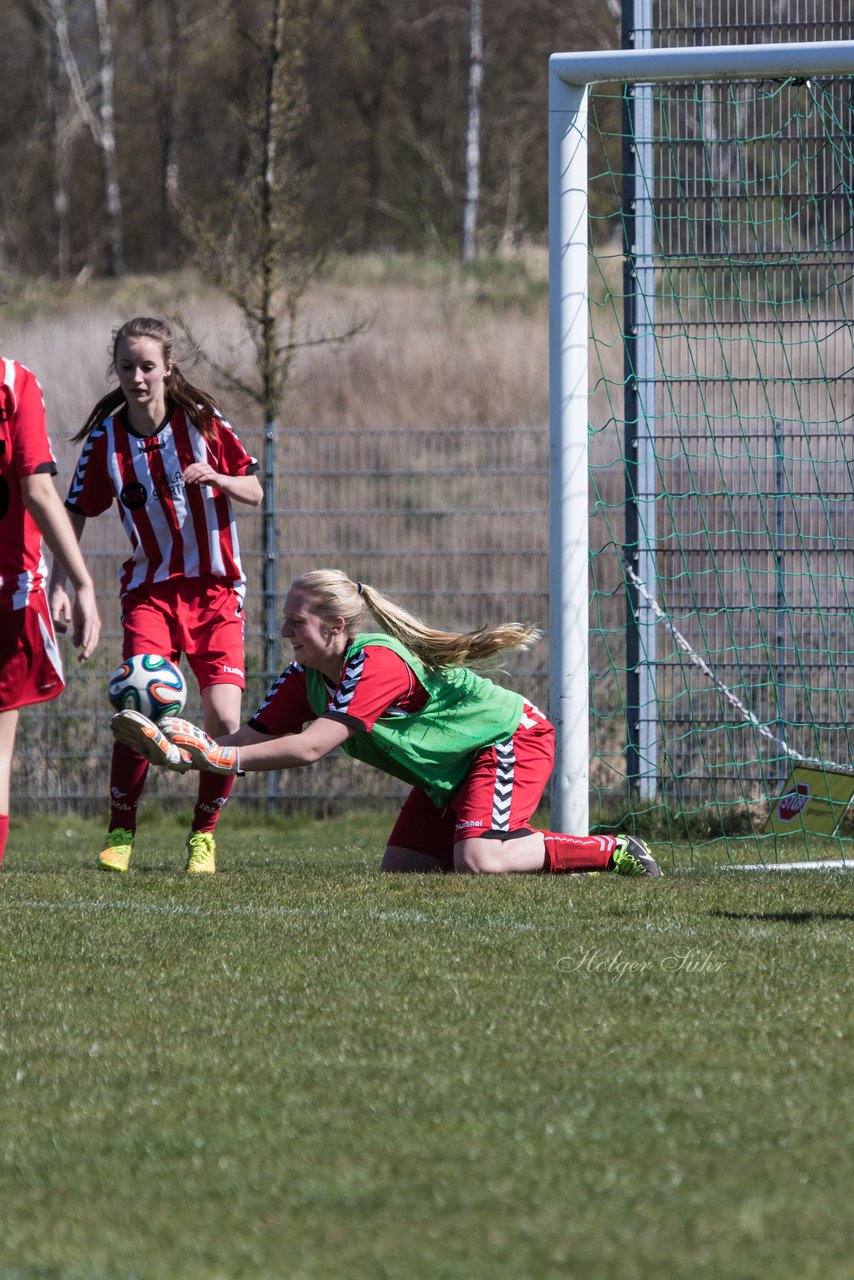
(496, 799)
(199, 617)
(30, 665)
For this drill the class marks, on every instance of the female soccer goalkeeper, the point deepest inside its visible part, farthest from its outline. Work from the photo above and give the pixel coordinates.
(407, 701)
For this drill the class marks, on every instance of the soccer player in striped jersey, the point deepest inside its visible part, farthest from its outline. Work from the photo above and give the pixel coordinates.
(161, 450)
(31, 512)
(407, 701)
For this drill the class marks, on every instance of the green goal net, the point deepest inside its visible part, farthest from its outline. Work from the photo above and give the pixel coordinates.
(721, 379)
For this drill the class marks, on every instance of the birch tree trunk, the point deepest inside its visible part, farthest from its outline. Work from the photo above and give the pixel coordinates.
(175, 19)
(59, 155)
(107, 141)
(164, 30)
(469, 235)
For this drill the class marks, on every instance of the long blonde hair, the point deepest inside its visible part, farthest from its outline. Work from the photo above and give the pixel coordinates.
(333, 595)
(199, 406)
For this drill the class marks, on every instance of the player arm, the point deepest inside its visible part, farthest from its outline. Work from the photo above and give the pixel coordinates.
(294, 749)
(260, 752)
(246, 489)
(179, 745)
(56, 527)
(60, 605)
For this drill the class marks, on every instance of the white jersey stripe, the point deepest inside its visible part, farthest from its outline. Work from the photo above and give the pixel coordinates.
(9, 378)
(154, 512)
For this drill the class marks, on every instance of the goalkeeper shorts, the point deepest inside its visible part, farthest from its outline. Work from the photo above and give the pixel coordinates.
(496, 799)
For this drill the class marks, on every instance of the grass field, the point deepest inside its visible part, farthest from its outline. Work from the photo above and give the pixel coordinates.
(302, 1069)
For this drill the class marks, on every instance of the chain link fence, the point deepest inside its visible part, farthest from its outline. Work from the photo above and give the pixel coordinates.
(453, 523)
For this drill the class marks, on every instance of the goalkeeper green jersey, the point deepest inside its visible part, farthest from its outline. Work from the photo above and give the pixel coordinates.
(432, 746)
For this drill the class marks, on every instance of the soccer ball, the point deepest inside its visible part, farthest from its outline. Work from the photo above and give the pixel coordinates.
(148, 683)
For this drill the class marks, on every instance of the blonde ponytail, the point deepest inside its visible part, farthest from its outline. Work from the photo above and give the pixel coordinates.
(334, 595)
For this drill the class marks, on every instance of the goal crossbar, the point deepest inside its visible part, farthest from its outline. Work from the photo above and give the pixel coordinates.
(570, 76)
(712, 62)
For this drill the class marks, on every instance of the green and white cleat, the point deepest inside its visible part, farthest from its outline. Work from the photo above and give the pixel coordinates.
(201, 854)
(118, 846)
(632, 858)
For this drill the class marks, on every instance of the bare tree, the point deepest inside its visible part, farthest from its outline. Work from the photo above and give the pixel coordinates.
(99, 121)
(106, 140)
(169, 30)
(64, 124)
(261, 260)
(163, 27)
(475, 86)
(395, 88)
(65, 120)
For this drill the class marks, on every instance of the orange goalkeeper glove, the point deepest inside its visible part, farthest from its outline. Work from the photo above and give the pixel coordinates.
(141, 734)
(199, 747)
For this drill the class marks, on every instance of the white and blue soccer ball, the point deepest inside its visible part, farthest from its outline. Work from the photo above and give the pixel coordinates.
(148, 683)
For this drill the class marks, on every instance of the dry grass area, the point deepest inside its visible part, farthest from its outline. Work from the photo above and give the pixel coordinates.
(441, 346)
(457, 518)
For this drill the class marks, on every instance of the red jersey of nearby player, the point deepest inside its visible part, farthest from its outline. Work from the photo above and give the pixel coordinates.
(378, 683)
(175, 530)
(24, 451)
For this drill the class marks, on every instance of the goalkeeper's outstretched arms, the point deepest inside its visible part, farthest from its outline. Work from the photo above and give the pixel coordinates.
(179, 745)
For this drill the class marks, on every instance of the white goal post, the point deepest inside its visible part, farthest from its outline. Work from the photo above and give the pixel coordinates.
(570, 75)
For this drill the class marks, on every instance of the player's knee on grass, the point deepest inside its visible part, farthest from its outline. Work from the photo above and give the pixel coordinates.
(501, 852)
(480, 857)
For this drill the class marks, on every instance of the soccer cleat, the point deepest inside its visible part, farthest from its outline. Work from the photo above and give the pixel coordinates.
(632, 858)
(118, 847)
(201, 854)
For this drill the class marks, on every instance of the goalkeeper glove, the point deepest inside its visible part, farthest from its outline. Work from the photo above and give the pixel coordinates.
(143, 736)
(199, 747)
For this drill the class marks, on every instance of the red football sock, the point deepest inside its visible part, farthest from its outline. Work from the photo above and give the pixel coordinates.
(4, 831)
(577, 853)
(128, 772)
(214, 790)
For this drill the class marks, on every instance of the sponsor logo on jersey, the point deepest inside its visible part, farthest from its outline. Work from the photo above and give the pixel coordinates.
(172, 488)
(133, 496)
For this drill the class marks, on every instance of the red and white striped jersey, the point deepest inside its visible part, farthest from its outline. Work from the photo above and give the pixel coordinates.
(174, 531)
(24, 451)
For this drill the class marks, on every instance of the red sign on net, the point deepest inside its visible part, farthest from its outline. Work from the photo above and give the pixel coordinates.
(792, 802)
